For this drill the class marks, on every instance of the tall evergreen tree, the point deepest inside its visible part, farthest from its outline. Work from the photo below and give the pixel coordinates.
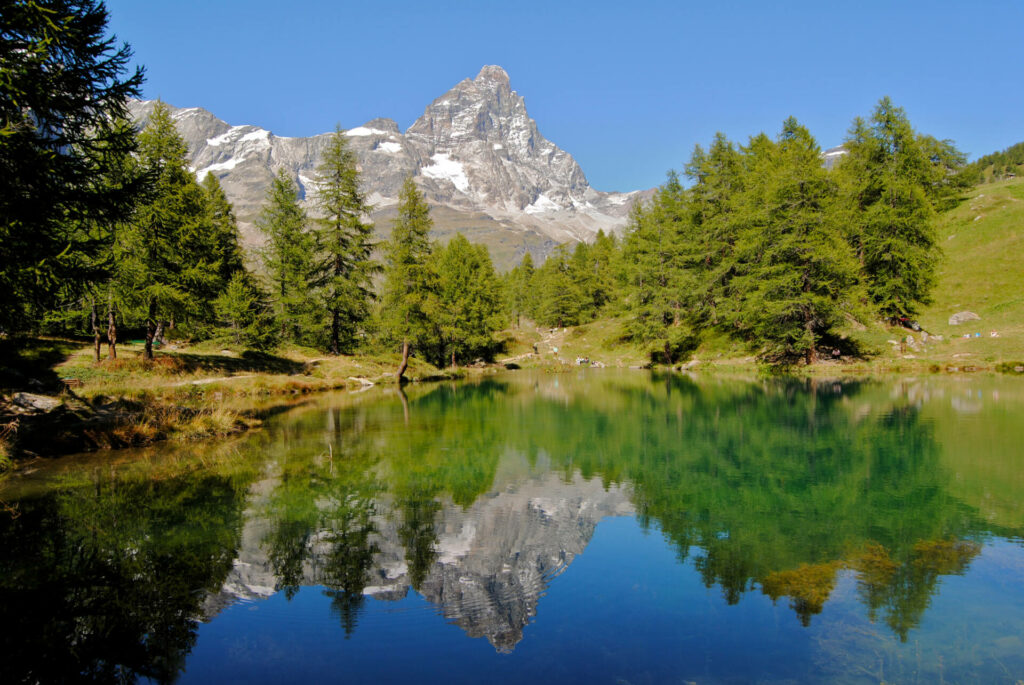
(171, 271)
(344, 244)
(409, 295)
(63, 128)
(559, 300)
(288, 257)
(518, 289)
(653, 265)
(710, 237)
(224, 239)
(886, 177)
(469, 297)
(798, 278)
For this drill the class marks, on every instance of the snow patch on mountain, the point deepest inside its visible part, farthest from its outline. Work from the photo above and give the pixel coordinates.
(542, 204)
(225, 138)
(220, 166)
(446, 169)
(364, 131)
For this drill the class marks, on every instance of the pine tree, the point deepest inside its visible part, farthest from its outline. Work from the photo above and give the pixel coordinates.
(225, 240)
(710, 238)
(559, 299)
(886, 179)
(344, 244)
(409, 294)
(798, 279)
(244, 314)
(654, 273)
(288, 257)
(64, 129)
(168, 263)
(518, 289)
(469, 300)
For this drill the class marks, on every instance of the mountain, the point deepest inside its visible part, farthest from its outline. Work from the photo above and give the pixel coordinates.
(489, 566)
(476, 153)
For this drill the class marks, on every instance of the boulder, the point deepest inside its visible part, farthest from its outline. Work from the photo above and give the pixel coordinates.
(28, 400)
(961, 317)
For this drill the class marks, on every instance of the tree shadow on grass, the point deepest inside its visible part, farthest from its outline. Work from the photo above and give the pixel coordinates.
(28, 364)
(250, 361)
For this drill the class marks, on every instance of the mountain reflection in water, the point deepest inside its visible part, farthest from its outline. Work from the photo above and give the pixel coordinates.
(476, 495)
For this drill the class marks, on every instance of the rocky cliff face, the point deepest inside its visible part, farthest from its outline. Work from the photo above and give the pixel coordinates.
(491, 562)
(475, 152)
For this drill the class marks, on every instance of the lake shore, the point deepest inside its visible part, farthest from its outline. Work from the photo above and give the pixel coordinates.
(56, 399)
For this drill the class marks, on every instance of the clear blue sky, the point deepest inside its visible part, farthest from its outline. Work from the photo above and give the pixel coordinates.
(627, 87)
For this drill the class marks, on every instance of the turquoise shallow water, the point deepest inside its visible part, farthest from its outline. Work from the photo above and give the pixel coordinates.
(595, 526)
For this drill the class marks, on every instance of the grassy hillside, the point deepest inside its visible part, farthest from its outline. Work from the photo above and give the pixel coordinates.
(983, 272)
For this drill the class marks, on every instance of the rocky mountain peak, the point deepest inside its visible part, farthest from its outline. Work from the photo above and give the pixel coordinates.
(475, 153)
(493, 74)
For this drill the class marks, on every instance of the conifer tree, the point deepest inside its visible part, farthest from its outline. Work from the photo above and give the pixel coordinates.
(559, 299)
(886, 177)
(244, 314)
(63, 129)
(798, 278)
(225, 240)
(409, 294)
(653, 266)
(469, 300)
(344, 244)
(288, 257)
(166, 252)
(519, 289)
(711, 235)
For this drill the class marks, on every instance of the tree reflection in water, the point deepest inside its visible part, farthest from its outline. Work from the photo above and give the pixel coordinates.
(778, 487)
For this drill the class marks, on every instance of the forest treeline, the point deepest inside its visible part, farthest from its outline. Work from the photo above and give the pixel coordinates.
(104, 229)
(1000, 165)
(766, 245)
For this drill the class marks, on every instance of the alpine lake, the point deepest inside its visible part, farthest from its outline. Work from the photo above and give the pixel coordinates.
(595, 526)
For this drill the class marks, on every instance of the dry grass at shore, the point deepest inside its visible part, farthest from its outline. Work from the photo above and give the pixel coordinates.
(186, 392)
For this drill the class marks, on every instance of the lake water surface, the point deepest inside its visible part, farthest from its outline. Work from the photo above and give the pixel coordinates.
(595, 527)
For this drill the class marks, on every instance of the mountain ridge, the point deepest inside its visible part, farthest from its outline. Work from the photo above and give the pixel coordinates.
(476, 154)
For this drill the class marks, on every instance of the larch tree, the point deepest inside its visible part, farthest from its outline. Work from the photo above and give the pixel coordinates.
(469, 297)
(63, 126)
(710, 238)
(798, 278)
(559, 300)
(288, 257)
(653, 268)
(409, 294)
(887, 177)
(170, 269)
(519, 294)
(344, 244)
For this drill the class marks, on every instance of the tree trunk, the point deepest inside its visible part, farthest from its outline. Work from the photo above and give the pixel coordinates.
(158, 336)
(453, 359)
(111, 333)
(147, 352)
(668, 353)
(94, 318)
(335, 332)
(405, 362)
(405, 404)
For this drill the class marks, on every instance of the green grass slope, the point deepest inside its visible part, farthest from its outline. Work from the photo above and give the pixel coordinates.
(982, 271)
